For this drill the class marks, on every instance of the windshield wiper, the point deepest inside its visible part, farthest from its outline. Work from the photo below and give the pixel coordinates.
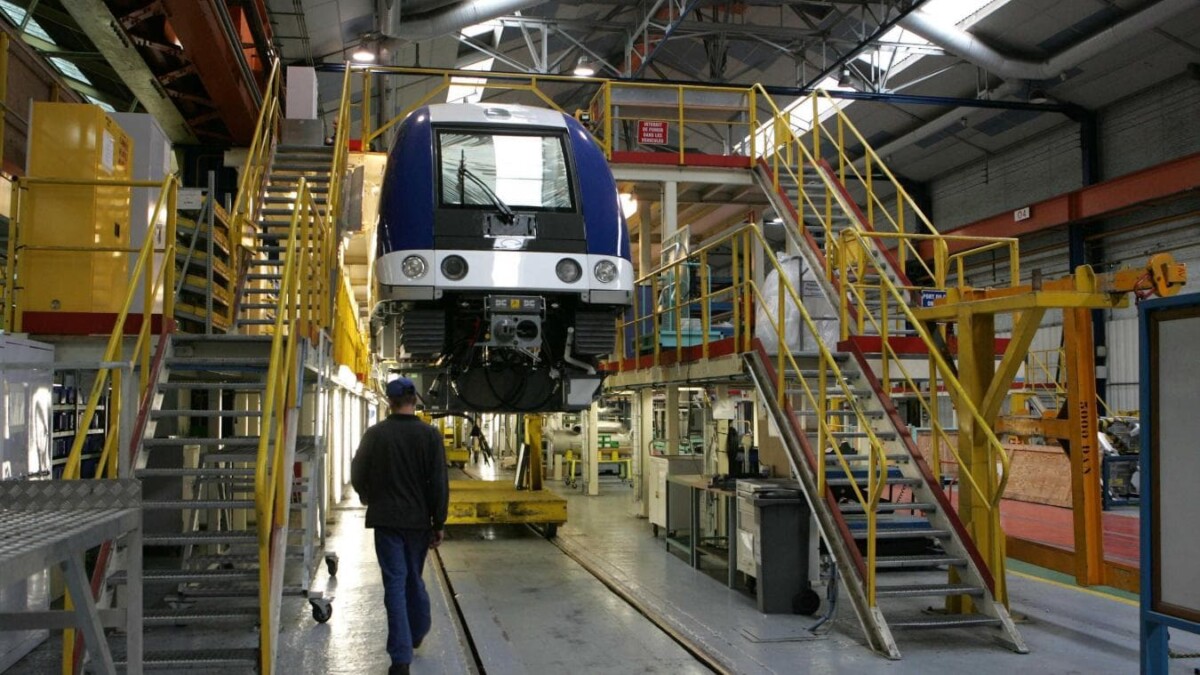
(506, 213)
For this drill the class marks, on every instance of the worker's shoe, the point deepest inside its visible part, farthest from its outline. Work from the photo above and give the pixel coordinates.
(398, 669)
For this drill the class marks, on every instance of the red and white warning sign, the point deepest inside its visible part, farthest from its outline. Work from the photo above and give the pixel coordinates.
(652, 132)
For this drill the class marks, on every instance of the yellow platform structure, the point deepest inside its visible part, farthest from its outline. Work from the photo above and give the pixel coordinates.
(482, 502)
(479, 502)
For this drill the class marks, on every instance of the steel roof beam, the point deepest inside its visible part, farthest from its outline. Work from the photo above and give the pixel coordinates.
(102, 28)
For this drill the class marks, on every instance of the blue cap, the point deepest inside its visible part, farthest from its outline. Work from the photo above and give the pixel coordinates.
(400, 386)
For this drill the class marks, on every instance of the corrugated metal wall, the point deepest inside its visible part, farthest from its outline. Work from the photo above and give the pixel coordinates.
(1143, 130)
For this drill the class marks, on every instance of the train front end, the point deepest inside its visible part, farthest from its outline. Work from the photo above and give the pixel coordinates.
(503, 258)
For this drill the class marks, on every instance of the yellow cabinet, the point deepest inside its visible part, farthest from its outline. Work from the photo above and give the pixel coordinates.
(80, 142)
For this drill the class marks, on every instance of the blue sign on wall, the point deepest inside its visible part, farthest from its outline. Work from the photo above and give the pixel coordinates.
(929, 297)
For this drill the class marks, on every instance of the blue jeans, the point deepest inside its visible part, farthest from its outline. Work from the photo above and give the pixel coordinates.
(401, 555)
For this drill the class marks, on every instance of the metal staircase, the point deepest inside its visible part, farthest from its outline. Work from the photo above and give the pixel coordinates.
(258, 295)
(897, 538)
(879, 499)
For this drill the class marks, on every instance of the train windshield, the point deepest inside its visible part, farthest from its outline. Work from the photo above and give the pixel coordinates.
(524, 171)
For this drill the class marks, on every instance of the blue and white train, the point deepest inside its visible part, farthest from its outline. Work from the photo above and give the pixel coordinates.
(503, 258)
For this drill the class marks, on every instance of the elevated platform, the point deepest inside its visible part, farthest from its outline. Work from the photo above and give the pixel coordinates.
(478, 502)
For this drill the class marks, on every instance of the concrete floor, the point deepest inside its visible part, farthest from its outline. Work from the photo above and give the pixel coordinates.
(530, 608)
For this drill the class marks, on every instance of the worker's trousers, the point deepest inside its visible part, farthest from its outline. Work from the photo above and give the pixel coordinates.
(401, 556)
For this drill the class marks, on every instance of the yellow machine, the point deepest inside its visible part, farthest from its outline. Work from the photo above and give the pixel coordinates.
(76, 261)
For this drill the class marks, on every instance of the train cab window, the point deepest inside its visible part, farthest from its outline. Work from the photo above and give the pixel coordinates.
(526, 172)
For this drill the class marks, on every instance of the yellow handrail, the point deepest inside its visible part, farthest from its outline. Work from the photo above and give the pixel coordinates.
(113, 355)
(891, 293)
(254, 168)
(745, 241)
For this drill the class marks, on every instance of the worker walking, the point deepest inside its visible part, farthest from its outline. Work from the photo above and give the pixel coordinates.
(399, 472)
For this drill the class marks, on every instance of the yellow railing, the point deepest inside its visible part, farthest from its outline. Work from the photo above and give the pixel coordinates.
(444, 79)
(791, 386)
(255, 168)
(115, 364)
(718, 116)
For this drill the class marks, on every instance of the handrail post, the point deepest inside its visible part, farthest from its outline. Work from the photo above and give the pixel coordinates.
(682, 144)
(885, 371)
(705, 318)
(870, 190)
(753, 100)
(841, 132)
(941, 253)
(608, 121)
(738, 283)
(822, 428)
(678, 311)
(747, 314)
(844, 291)
(781, 347)
(657, 327)
(816, 128)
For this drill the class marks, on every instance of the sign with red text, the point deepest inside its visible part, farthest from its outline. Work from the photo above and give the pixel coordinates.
(652, 132)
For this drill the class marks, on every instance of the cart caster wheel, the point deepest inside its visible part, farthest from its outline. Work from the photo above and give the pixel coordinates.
(322, 610)
(806, 602)
(331, 564)
(654, 529)
(551, 530)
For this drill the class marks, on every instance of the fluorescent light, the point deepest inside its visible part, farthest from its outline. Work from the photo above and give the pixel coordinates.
(584, 68)
(629, 204)
(363, 55)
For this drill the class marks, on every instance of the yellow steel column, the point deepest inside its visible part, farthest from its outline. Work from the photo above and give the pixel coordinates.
(1085, 456)
(533, 436)
(976, 367)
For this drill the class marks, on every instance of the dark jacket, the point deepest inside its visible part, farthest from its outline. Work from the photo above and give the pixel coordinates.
(399, 472)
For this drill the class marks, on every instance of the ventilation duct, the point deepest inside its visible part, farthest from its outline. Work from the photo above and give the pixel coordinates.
(446, 20)
(958, 41)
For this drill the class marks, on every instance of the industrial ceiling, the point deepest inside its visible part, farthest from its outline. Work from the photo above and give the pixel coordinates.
(198, 64)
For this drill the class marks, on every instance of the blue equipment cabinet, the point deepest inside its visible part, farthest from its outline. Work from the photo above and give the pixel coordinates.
(1170, 540)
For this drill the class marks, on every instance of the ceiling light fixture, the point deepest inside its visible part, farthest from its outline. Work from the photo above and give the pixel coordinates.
(1038, 96)
(365, 52)
(844, 78)
(584, 68)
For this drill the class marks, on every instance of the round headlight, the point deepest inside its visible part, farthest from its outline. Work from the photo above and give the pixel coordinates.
(414, 267)
(454, 267)
(605, 271)
(568, 270)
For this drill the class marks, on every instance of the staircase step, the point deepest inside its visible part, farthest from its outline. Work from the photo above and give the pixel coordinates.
(194, 363)
(197, 472)
(898, 480)
(910, 561)
(881, 435)
(234, 441)
(232, 386)
(902, 533)
(852, 508)
(831, 393)
(209, 660)
(920, 590)
(172, 617)
(168, 504)
(267, 263)
(943, 621)
(258, 276)
(191, 576)
(832, 459)
(200, 538)
(870, 414)
(205, 413)
(256, 322)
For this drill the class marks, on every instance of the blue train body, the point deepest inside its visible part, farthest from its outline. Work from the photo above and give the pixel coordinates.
(502, 258)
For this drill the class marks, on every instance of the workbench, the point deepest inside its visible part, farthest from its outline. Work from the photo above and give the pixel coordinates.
(54, 523)
(693, 544)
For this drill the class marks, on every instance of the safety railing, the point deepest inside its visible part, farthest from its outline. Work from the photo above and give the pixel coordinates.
(630, 116)
(296, 315)
(438, 83)
(253, 177)
(741, 249)
(115, 363)
(893, 298)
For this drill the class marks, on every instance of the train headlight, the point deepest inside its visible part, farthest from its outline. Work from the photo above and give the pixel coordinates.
(414, 267)
(568, 270)
(454, 267)
(605, 271)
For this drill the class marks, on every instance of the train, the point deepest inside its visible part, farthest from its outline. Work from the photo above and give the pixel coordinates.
(502, 258)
